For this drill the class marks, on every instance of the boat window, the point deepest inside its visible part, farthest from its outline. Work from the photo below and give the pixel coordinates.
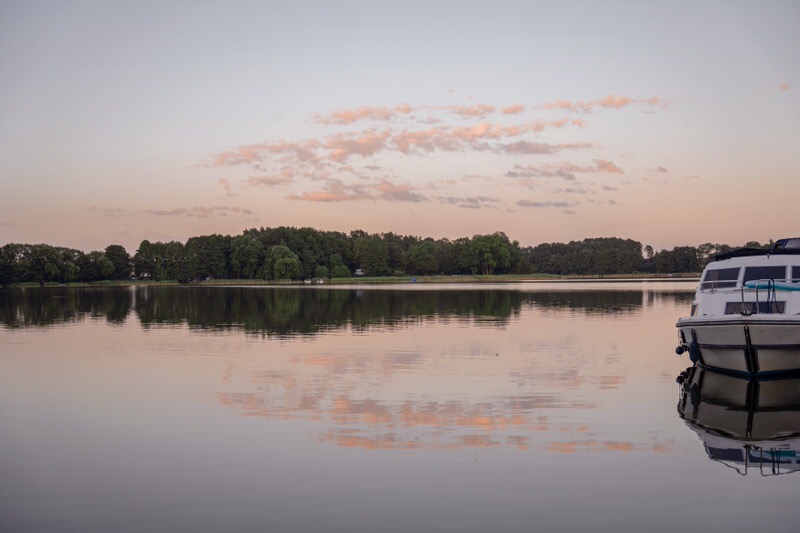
(720, 278)
(735, 308)
(764, 272)
(796, 274)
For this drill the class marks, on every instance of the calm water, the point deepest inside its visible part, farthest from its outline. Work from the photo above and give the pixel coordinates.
(535, 407)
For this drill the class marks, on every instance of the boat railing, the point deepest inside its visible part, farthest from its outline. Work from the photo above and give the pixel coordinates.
(768, 286)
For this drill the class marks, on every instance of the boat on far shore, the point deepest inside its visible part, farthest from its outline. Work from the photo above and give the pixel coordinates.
(745, 316)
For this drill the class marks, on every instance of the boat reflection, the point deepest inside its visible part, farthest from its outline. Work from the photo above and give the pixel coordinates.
(744, 424)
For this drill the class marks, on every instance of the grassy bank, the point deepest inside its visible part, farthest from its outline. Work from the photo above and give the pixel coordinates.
(362, 280)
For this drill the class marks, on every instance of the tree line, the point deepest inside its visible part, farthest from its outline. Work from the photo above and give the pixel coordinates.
(288, 253)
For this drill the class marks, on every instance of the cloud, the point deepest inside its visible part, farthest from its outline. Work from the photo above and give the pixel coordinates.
(345, 162)
(785, 86)
(611, 101)
(337, 191)
(268, 181)
(349, 116)
(368, 143)
(107, 211)
(606, 166)
(398, 193)
(537, 204)
(114, 211)
(513, 109)
(226, 184)
(166, 212)
(469, 202)
(570, 190)
(478, 110)
(252, 154)
(527, 147)
(199, 211)
(564, 170)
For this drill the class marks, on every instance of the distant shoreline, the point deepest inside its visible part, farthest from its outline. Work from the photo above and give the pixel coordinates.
(400, 280)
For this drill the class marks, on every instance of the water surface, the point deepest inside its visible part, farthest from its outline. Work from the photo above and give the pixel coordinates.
(530, 407)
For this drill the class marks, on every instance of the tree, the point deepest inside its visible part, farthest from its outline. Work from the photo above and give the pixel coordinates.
(207, 256)
(281, 263)
(489, 252)
(121, 260)
(321, 271)
(247, 257)
(95, 266)
(144, 261)
(9, 257)
(372, 255)
(422, 258)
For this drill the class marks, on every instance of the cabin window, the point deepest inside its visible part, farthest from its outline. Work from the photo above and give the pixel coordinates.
(796, 274)
(764, 272)
(735, 308)
(720, 278)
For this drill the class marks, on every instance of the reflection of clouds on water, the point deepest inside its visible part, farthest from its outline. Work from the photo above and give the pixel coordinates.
(329, 389)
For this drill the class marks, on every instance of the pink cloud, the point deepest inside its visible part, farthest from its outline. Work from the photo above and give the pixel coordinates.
(786, 86)
(343, 146)
(608, 102)
(269, 181)
(606, 166)
(477, 110)
(527, 147)
(349, 116)
(255, 153)
(534, 203)
(564, 170)
(336, 192)
(226, 184)
(198, 211)
(399, 193)
(513, 109)
(166, 212)
(469, 202)
(426, 140)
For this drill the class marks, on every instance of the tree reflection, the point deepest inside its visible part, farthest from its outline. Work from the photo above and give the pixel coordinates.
(29, 307)
(302, 311)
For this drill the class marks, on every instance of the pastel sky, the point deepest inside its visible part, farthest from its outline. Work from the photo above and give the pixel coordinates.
(671, 123)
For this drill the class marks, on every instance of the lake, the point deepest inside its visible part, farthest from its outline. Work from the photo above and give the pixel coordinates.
(463, 408)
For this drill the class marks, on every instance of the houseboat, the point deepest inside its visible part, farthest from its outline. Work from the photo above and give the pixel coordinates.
(745, 317)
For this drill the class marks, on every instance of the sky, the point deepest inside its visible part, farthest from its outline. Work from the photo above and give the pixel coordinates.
(671, 123)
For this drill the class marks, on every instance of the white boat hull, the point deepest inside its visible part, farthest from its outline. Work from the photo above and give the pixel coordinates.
(756, 345)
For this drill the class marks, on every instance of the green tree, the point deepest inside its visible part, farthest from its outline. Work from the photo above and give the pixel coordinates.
(247, 256)
(489, 252)
(9, 257)
(144, 260)
(121, 260)
(422, 258)
(340, 271)
(281, 263)
(372, 255)
(321, 271)
(206, 257)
